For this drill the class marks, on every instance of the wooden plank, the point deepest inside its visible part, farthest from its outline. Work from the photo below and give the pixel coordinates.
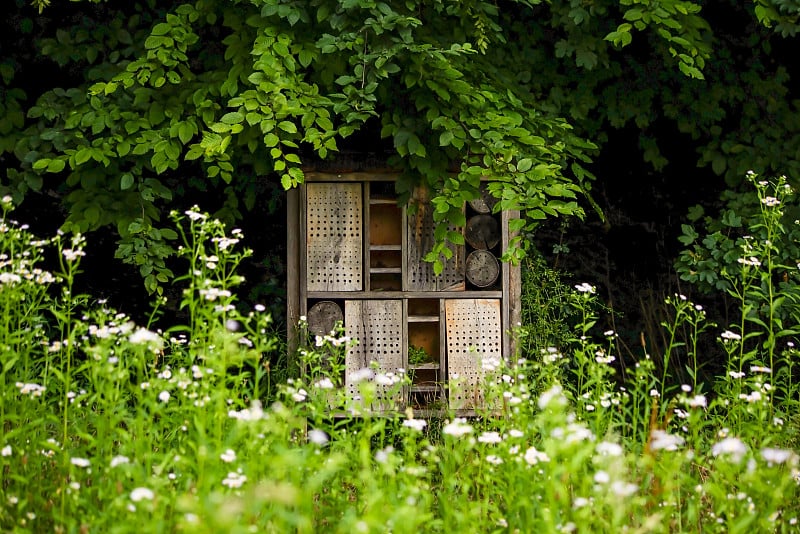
(366, 239)
(292, 277)
(315, 176)
(406, 294)
(334, 237)
(419, 229)
(512, 287)
(378, 327)
(474, 339)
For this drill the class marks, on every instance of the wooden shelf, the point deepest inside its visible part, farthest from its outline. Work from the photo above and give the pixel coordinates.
(404, 294)
(392, 201)
(425, 388)
(386, 247)
(423, 318)
(385, 270)
(429, 365)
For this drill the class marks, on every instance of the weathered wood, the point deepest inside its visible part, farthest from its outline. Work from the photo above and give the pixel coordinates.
(323, 316)
(315, 176)
(512, 283)
(474, 340)
(334, 255)
(420, 240)
(482, 232)
(483, 269)
(378, 326)
(292, 277)
(486, 202)
(382, 295)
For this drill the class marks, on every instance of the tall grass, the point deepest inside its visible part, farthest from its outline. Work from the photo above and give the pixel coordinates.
(109, 426)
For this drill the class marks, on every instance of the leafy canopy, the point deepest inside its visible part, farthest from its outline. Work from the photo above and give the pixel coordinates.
(227, 95)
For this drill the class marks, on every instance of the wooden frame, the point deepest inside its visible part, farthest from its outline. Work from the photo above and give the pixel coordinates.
(506, 291)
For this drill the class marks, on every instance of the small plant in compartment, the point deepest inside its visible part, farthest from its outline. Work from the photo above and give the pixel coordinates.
(418, 356)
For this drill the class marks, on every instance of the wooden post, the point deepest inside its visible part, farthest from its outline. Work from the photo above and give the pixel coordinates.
(293, 295)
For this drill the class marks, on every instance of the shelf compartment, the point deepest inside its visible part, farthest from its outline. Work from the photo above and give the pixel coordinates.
(422, 307)
(385, 259)
(383, 281)
(423, 318)
(385, 224)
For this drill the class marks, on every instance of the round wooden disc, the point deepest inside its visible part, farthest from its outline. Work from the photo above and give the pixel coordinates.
(486, 202)
(482, 268)
(482, 232)
(323, 316)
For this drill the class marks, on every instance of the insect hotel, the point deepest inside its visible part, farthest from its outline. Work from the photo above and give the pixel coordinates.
(355, 257)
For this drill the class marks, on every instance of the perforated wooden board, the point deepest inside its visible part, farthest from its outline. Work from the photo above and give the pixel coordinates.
(474, 334)
(420, 240)
(334, 237)
(378, 326)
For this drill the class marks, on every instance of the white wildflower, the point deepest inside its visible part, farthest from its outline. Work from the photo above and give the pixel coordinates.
(490, 437)
(459, 427)
(778, 456)
(606, 448)
(228, 456)
(663, 441)
(415, 424)
(730, 447)
(234, 480)
(119, 460)
(142, 494)
(585, 288)
(533, 456)
(317, 437)
(80, 462)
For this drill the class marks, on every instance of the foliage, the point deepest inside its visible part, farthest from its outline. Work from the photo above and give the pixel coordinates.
(113, 427)
(150, 103)
(749, 251)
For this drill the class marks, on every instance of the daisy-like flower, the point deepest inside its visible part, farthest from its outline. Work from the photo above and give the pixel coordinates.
(143, 336)
(490, 437)
(727, 335)
(732, 447)
(415, 424)
(585, 288)
(6, 451)
(459, 427)
(606, 448)
(778, 456)
(142, 494)
(164, 396)
(228, 456)
(623, 489)
(663, 441)
(494, 460)
(234, 480)
(698, 401)
(553, 395)
(317, 437)
(80, 462)
(534, 456)
(119, 460)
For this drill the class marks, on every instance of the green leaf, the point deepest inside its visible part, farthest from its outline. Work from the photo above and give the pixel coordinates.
(126, 181)
(288, 126)
(232, 118)
(41, 164)
(446, 138)
(56, 165)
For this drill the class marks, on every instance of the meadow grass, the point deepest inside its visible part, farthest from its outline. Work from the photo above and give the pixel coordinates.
(109, 426)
